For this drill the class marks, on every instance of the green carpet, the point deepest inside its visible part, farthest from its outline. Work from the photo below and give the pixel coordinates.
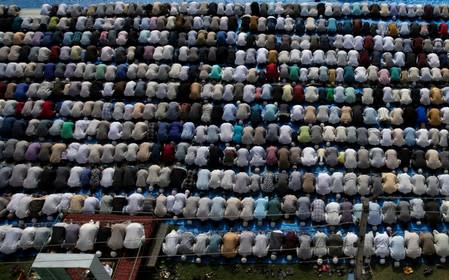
(263, 272)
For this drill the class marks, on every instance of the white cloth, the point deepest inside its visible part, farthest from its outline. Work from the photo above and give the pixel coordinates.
(87, 235)
(170, 246)
(350, 244)
(135, 203)
(332, 215)
(323, 183)
(11, 241)
(261, 244)
(381, 242)
(51, 203)
(22, 210)
(135, 235)
(15, 202)
(27, 238)
(309, 156)
(91, 205)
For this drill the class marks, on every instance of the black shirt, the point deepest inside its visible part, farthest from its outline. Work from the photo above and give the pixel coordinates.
(58, 235)
(177, 176)
(118, 202)
(276, 241)
(335, 245)
(418, 159)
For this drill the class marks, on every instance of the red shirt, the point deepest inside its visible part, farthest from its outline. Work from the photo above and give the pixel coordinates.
(54, 53)
(364, 58)
(368, 43)
(2, 89)
(271, 158)
(19, 107)
(290, 241)
(422, 60)
(417, 45)
(443, 30)
(168, 153)
(298, 94)
(272, 73)
(47, 110)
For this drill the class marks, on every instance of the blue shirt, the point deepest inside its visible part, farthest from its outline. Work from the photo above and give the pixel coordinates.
(20, 92)
(270, 112)
(422, 114)
(260, 211)
(48, 39)
(393, 9)
(175, 131)
(217, 209)
(355, 9)
(143, 36)
(339, 95)
(67, 41)
(162, 133)
(255, 114)
(8, 122)
(370, 116)
(155, 155)
(84, 178)
(202, 182)
(188, 131)
(213, 133)
(409, 136)
(49, 71)
(397, 247)
(221, 38)
(332, 25)
(145, 23)
(229, 111)
(121, 72)
(266, 92)
(374, 216)
(237, 136)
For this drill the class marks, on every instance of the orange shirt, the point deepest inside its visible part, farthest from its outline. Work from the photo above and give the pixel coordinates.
(229, 247)
(76, 203)
(195, 91)
(434, 117)
(435, 96)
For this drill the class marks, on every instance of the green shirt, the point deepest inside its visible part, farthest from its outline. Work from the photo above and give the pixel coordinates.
(341, 157)
(67, 130)
(330, 94)
(348, 75)
(53, 23)
(395, 74)
(350, 95)
(215, 72)
(274, 209)
(214, 245)
(16, 24)
(100, 71)
(76, 38)
(304, 134)
(293, 73)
